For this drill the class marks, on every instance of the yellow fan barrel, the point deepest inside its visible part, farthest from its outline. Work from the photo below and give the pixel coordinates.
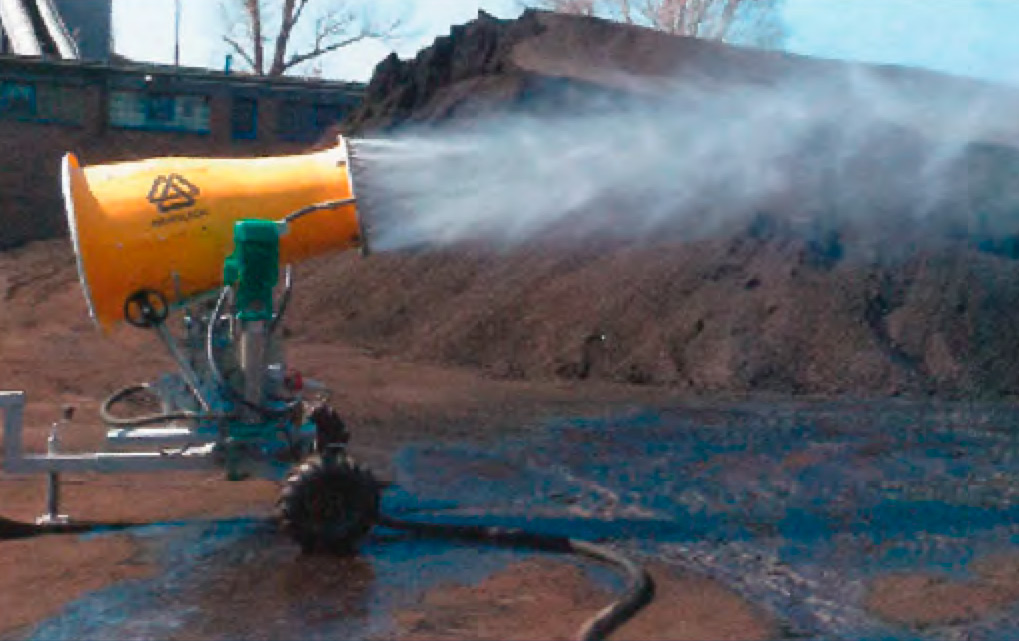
(167, 224)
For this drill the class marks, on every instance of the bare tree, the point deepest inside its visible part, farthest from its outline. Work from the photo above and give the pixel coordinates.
(744, 21)
(577, 7)
(275, 37)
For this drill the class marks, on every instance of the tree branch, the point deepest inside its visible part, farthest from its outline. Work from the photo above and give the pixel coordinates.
(726, 20)
(297, 14)
(319, 50)
(713, 19)
(283, 37)
(626, 11)
(284, 26)
(240, 51)
(254, 10)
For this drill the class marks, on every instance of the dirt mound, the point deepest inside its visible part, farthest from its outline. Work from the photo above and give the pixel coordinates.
(554, 62)
(742, 314)
(863, 275)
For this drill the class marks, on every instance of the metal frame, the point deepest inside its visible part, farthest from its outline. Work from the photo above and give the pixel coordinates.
(234, 432)
(16, 461)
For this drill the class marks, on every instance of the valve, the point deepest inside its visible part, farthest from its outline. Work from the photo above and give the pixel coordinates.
(146, 309)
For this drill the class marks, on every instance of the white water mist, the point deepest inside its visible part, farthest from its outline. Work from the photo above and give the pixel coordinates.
(695, 158)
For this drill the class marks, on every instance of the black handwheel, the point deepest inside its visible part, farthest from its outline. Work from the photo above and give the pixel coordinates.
(329, 504)
(146, 309)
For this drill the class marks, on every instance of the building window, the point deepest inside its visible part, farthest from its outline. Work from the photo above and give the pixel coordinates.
(304, 122)
(160, 109)
(167, 112)
(17, 99)
(60, 103)
(42, 102)
(245, 119)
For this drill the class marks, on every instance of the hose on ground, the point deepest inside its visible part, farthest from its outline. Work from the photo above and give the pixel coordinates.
(106, 412)
(15, 530)
(639, 590)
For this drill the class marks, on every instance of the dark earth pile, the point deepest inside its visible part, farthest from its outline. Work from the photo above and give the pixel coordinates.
(863, 298)
(743, 314)
(554, 62)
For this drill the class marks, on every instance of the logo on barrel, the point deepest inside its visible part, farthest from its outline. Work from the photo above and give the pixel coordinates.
(173, 193)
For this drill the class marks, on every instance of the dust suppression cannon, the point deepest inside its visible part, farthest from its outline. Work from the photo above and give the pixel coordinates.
(199, 252)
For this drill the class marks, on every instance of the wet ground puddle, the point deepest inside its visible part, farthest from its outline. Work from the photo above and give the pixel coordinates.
(794, 506)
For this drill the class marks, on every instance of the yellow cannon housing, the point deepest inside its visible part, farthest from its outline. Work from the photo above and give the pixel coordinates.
(167, 224)
(210, 236)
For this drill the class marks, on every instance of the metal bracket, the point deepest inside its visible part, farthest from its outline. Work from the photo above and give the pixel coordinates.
(190, 377)
(12, 404)
(52, 516)
(15, 461)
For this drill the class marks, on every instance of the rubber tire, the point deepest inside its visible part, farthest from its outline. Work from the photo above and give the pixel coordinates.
(317, 485)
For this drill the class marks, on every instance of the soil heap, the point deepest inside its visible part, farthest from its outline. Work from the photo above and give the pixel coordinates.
(833, 287)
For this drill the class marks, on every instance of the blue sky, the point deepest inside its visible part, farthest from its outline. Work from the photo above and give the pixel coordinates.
(966, 37)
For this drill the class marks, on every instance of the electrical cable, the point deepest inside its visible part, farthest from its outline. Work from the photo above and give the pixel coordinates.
(106, 414)
(311, 209)
(217, 375)
(288, 287)
(640, 587)
(210, 338)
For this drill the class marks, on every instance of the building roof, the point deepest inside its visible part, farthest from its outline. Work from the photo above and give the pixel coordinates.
(123, 68)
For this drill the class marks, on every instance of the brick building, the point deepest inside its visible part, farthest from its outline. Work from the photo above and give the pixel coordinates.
(108, 113)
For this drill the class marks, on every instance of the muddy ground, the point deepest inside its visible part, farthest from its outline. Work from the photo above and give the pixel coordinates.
(761, 518)
(734, 431)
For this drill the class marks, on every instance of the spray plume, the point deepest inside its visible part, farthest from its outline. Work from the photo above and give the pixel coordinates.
(857, 149)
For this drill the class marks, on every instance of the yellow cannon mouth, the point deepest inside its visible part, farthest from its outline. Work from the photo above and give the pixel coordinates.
(167, 224)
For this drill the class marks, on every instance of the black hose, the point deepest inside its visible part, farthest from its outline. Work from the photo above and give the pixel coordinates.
(17, 530)
(639, 592)
(640, 588)
(106, 414)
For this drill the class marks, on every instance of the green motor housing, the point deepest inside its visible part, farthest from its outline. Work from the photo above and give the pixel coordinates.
(254, 268)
